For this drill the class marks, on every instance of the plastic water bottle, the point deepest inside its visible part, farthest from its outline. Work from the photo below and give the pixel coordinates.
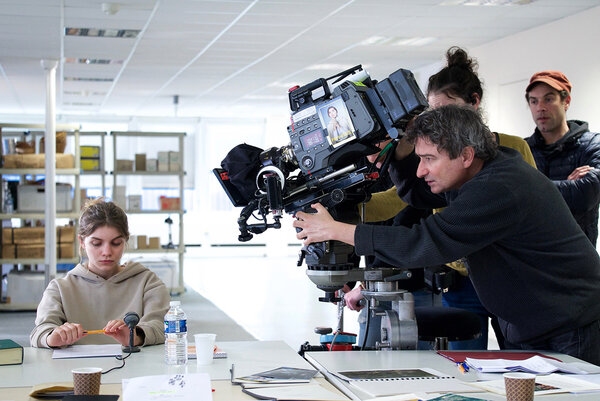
(175, 335)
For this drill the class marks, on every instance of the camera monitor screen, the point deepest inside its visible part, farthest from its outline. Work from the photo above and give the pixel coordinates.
(334, 115)
(312, 139)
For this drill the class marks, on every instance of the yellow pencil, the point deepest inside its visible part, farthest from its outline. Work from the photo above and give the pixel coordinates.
(93, 331)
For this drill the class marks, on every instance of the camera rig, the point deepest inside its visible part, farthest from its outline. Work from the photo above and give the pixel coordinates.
(335, 123)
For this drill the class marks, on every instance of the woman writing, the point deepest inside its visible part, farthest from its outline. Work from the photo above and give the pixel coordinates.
(98, 293)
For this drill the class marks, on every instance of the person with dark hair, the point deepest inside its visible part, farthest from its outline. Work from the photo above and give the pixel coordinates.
(529, 261)
(457, 83)
(98, 293)
(565, 151)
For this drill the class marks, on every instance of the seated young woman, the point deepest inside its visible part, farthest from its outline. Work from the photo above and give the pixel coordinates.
(97, 293)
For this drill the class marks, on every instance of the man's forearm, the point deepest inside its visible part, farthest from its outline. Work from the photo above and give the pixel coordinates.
(343, 232)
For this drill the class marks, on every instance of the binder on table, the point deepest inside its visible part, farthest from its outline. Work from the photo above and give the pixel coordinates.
(461, 356)
(384, 382)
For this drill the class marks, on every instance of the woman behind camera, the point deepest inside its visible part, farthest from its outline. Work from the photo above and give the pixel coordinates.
(98, 293)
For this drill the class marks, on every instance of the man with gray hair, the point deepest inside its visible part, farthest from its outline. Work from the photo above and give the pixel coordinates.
(529, 261)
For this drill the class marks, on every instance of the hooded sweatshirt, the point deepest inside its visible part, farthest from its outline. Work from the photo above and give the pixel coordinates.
(90, 300)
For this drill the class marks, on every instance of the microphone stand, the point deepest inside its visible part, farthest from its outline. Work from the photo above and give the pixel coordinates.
(131, 348)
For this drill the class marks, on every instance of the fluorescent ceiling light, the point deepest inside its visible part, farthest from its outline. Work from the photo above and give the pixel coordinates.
(397, 41)
(89, 79)
(106, 33)
(71, 60)
(325, 67)
(416, 41)
(485, 2)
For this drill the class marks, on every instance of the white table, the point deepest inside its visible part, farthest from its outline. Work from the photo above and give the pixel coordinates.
(248, 356)
(327, 362)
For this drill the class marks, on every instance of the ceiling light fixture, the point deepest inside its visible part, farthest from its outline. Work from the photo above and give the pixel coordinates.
(110, 8)
(485, 2)
(105, 33)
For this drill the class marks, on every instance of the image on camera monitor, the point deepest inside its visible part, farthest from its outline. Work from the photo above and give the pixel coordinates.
(334, 116)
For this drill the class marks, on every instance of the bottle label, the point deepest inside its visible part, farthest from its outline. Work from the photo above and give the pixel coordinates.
(175, 326)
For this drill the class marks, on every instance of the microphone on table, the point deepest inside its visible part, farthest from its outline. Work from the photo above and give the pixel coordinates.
(131, 319)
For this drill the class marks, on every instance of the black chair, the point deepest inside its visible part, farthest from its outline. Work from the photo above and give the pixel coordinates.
(440, 325)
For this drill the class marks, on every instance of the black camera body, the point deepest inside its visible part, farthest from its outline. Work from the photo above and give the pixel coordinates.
(336, 122)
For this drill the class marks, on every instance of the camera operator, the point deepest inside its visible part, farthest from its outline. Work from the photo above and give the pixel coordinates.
(456, 83)
(529, 261)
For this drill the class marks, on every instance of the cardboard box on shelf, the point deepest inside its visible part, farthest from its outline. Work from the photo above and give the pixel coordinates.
(35, 235)
(32, 198)
(140, 162)
(119, 196)
(151, 164)
(90, 152)
(13, 251)
(124, 165)
(90, 164)
(63, 160)
(167, 203)
(141, 242)
(163, 161)
(154, 243)
(134, 202)
(174, 161)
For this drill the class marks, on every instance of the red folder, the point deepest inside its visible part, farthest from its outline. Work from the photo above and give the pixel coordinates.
(460, 356)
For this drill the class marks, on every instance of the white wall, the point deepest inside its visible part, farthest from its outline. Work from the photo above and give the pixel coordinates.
(569, 45)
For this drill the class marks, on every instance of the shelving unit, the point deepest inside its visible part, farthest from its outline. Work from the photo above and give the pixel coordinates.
(20, 264)
(179, 249)
(100, 135)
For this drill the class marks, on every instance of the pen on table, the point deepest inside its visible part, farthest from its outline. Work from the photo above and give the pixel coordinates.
(462, 366)
(93, 331)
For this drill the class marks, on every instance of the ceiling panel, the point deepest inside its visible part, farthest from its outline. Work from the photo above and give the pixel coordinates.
(231, 54)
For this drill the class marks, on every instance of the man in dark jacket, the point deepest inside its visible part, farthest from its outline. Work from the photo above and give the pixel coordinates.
(565, 151)
(529, 261)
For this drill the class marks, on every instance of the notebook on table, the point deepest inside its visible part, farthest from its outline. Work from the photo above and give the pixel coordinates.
(384, 382)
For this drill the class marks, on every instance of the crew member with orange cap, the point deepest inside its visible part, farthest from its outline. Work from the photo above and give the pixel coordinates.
(565, 150)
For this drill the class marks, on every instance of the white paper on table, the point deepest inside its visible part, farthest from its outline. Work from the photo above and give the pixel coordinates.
(87, 351)
(181, 387)
(545, 384)
(535, 364)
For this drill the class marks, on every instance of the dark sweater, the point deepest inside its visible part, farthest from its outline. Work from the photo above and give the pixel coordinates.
(529, 261)
(578, 147)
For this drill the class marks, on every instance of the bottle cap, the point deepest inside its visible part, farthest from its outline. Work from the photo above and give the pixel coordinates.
(174, 303)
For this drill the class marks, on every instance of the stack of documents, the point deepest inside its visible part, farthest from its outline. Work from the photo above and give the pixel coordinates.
(536, 364)
(285, 383)
(550, 384)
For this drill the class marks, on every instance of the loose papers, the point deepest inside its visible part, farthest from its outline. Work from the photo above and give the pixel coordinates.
(536, 364)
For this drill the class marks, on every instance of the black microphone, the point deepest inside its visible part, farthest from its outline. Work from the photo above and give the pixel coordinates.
(131, 319)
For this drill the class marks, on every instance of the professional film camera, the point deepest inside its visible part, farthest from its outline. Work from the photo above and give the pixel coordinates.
(335, 123)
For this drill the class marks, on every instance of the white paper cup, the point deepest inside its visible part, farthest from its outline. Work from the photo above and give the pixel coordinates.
(205, 345)
(86, 381)
(519, 386)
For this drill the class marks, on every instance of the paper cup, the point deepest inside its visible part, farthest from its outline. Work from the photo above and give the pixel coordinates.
(205, 345)
(519, 386)
(86, 381)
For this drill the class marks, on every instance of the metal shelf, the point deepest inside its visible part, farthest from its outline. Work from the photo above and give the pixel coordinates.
(178, 250)
(179, 211)
(37, 171)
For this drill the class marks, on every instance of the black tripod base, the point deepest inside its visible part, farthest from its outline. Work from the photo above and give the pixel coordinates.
(129, 349)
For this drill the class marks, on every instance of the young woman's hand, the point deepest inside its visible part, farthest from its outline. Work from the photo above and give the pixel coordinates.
(66, 334)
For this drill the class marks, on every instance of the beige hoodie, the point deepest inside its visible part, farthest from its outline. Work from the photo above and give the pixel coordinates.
(90, 300)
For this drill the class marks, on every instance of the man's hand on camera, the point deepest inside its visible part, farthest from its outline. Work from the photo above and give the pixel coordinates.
(403, 149)
(352, 299)
(320, 226)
